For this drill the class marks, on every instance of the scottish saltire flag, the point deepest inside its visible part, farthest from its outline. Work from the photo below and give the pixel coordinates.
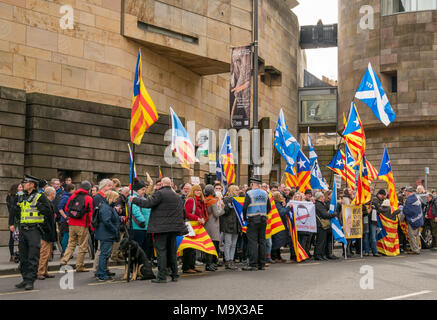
(143, 113)
(274, 222)
(298, 250)
(337, 230)
(303, 171)
(285, 143)
(181, 143)
(354, 134)
(386, 174)
(238, 208)
(226, 160)
(201, 241)
(371, 93)
(317, 181)
(387, 239)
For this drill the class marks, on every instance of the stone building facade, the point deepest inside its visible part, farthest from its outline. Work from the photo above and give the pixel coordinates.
(402, 49)
(65, 94)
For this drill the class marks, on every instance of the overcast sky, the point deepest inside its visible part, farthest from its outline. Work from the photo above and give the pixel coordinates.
(319, 61)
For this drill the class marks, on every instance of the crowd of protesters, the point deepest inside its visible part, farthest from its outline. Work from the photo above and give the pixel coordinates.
(210, 207)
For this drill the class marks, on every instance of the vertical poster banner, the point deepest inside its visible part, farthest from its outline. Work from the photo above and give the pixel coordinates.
(241, 69)
(352, 222)
(305, 216)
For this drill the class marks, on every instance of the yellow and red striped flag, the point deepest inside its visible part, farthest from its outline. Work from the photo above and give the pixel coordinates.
(144, 112)
(389, 244)
(363, 194)
(274, 222)
(349, 172)
(386, 174)
(227, 160)
(354, 134)
(160, 172)
(201, 241)
(303, 172)
(372, 173)
(298, 250)
(291, 180)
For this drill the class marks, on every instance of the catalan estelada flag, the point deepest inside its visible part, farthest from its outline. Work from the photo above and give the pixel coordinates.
(354, 134)
(227, 161)
(201, 241)
(303, 172)
(386, 174)
(387, 240)
(291, 178)
(337, 165)
(298, 250)
(349, 171)
(143, 109)
(238, 203)
(160, 172)
(372, 173)
(363, 194)
(274, 222)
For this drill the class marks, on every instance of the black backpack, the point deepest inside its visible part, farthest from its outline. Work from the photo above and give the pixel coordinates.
(76, 207)
(95, 218)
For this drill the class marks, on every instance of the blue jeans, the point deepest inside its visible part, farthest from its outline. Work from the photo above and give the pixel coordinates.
(370, 240)
(105, 253)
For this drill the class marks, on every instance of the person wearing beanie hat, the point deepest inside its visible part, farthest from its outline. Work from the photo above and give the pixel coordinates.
(140, 220)
(42, 184)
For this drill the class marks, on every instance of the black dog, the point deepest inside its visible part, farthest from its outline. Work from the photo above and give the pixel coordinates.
(141, 267)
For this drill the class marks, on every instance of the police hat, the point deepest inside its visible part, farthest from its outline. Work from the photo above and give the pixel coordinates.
(255, 179)
(29, 178)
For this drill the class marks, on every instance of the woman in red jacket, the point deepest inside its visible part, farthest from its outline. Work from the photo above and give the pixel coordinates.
(195, 210)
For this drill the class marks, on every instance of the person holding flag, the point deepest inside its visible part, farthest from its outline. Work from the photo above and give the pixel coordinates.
(323, 219)
(337, 230)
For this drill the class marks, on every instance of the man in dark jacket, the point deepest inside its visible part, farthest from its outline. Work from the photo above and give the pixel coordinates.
(62, 217)
(48, 237)
(414, 218)
(322, 215)
(166, 222)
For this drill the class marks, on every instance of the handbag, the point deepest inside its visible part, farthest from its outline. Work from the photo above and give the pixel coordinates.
(326, 223)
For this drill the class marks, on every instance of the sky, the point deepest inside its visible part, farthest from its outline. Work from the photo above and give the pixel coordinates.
(319, 61)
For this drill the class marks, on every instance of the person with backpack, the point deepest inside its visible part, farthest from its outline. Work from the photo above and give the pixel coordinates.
(79, 209)
(63, 218)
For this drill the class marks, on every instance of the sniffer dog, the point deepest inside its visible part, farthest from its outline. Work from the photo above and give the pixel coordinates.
(141, 267)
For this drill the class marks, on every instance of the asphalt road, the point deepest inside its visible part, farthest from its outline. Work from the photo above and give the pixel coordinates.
(402, 277)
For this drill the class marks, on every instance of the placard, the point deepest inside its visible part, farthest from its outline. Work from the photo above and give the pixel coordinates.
(305, 215)
(352, 222)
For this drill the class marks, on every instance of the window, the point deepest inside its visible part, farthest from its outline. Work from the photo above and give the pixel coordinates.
(398, 6)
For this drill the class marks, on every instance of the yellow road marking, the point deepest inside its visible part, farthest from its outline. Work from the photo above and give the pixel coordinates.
(106, 282)
(307, 264)
(19, 292)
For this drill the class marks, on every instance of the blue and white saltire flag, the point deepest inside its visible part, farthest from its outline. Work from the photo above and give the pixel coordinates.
(181, 143)
(337, 230)
(317, 181)
(371, 93)
(285, 143)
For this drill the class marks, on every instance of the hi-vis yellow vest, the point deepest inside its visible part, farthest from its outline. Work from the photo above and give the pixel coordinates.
(29, 211)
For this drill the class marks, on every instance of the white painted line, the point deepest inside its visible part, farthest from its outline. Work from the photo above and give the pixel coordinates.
(409, 295)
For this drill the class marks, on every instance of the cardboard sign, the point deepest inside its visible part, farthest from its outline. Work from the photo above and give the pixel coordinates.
(352, 222)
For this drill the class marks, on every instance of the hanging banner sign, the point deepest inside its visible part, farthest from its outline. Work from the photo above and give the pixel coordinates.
(352, 222)
(241, 69)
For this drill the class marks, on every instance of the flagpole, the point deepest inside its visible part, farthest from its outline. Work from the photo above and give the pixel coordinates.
(129, 231)
(171, 162)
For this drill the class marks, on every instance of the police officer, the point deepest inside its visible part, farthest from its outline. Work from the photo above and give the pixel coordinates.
(255, 209)
(31, 209)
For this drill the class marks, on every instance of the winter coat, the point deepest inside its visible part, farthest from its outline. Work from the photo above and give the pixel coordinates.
(108, 228)
(212, 226)
(199, 212)
(229, 221)
(322, 213)
(61, 205)
(99, 197)
(413, 211)
(167, 213)
(49, 226)
(11, 202)
(140, 214)
(86, 219)
(281, 238)
(433, 205)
